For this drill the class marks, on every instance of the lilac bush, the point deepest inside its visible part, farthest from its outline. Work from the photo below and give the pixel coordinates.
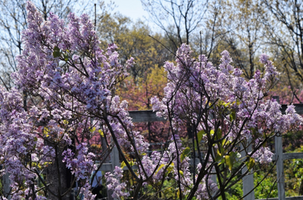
(64, 99)
(63, 91)
(225, 111)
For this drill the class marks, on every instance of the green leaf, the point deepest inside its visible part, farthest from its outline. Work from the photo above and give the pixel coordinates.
(160, 167)
(56, 52)
(218, 158)
(46, 131)
(222, 160)
(170, 168)
(225, 142)
(219, 134)
(232, 115)
(226, 104)
(238, 102)
(185, 152)
(219, 152)
(229, 162)
(200, 135)
(66, 57)
(123, 164)
(251, 163)
(101, 132)
(178, 193)
(181, 172)
(92, 130)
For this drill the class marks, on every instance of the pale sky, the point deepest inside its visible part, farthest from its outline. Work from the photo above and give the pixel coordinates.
(130, 8)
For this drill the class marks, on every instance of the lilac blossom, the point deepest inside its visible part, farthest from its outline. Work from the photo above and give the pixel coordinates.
(115, 185)
(82, 164)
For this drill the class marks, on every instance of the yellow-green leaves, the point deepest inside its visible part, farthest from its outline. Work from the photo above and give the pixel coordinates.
(238, 102)
(199, 138)
(232, 115)
(200, 135)
(223, 103)
(250, 163)
(92, 130)
(123, 164)
(229, 162)
(56, 52)
(218, 134)
(131, 163)
(101, 132)
(181, 172)
(185, 153)
(160, 167)
(168, 170)
(218, 157)
(65, 57)
(46, 131)
(229, 159)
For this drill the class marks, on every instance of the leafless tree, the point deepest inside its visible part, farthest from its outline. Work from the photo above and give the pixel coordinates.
(284, 31)
(178, 19)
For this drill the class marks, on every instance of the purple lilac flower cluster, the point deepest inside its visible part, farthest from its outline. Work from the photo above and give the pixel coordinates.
(114, 184)
(82, 164)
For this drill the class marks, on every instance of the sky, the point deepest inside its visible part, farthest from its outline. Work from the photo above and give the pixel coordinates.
(130, 8)
(134, 10)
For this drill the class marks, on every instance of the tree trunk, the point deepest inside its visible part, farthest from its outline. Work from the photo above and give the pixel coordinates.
(57, 176)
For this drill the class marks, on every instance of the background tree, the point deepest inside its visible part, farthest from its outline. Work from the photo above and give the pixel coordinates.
(214, 30)
(285, 38)
(178, 19)
(202, 24)
(245, 34)
(110, 26)
(134, 40)
(139, 95)
(145, 47)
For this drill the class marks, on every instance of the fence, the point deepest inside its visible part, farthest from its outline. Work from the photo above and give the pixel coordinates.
(248, 181)
(279, 157)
